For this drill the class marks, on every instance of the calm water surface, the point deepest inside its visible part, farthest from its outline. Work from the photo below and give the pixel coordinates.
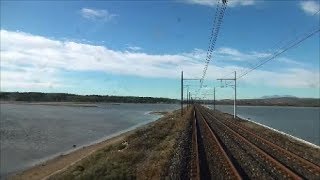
(302, 122)
(32, 133)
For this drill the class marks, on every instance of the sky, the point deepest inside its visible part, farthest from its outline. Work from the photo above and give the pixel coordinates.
(139, 48)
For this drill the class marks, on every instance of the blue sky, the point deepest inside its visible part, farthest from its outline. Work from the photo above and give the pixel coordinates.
(139, 48)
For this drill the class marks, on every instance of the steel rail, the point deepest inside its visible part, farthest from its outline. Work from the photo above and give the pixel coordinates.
(220, 152)
(276, 164)
(313, 168)
(195, 163)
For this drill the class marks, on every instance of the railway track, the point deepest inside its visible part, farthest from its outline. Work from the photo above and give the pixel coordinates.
(272, 159)
(293, 161)
(195, 163)
(202, 166)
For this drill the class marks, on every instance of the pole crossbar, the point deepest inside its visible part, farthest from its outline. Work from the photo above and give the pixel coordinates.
(226, 79)
(192, 79)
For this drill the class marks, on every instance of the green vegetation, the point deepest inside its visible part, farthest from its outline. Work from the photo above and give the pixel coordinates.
(64, 97)
(145, 154)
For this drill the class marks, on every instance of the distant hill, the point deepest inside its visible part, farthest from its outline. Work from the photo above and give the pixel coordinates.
(278, 96)
(64, 97)
(273, 101)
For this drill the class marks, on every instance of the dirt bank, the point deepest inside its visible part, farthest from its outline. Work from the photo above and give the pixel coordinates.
(61, 162)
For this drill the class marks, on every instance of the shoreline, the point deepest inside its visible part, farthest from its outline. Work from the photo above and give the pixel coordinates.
(59, 163)
(94, 104)
(283, 133)
(70, 103)
(295, 137)
(46, 167)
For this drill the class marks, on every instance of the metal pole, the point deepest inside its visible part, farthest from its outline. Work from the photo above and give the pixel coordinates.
(181, 93)
(189, 98)
(214, 98)
(235, 95)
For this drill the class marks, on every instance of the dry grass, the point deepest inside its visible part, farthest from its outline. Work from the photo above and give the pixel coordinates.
(144, 154)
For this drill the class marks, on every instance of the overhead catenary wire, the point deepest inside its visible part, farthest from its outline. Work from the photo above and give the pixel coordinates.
(276, 54)
(316, 12)
(213, 24)
(278, 46)
(217, 13)
(209, 55)
(293, 43)
(220, 11)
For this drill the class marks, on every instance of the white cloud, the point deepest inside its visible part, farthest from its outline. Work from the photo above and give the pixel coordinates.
(236, 55)
(253, 57)
(310, 7)
(228, 54)
(29, 61)
(28, 77)
(97, 14)
(134, 48)
(290, 61)
(231, 3)
(289, 78)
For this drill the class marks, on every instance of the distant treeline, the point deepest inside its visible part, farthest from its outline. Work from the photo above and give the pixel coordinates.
(64, 97)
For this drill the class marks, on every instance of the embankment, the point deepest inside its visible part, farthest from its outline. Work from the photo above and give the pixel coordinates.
(147, 152)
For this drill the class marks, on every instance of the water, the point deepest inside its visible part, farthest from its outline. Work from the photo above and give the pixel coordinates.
(302, 122)
(31, 133)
